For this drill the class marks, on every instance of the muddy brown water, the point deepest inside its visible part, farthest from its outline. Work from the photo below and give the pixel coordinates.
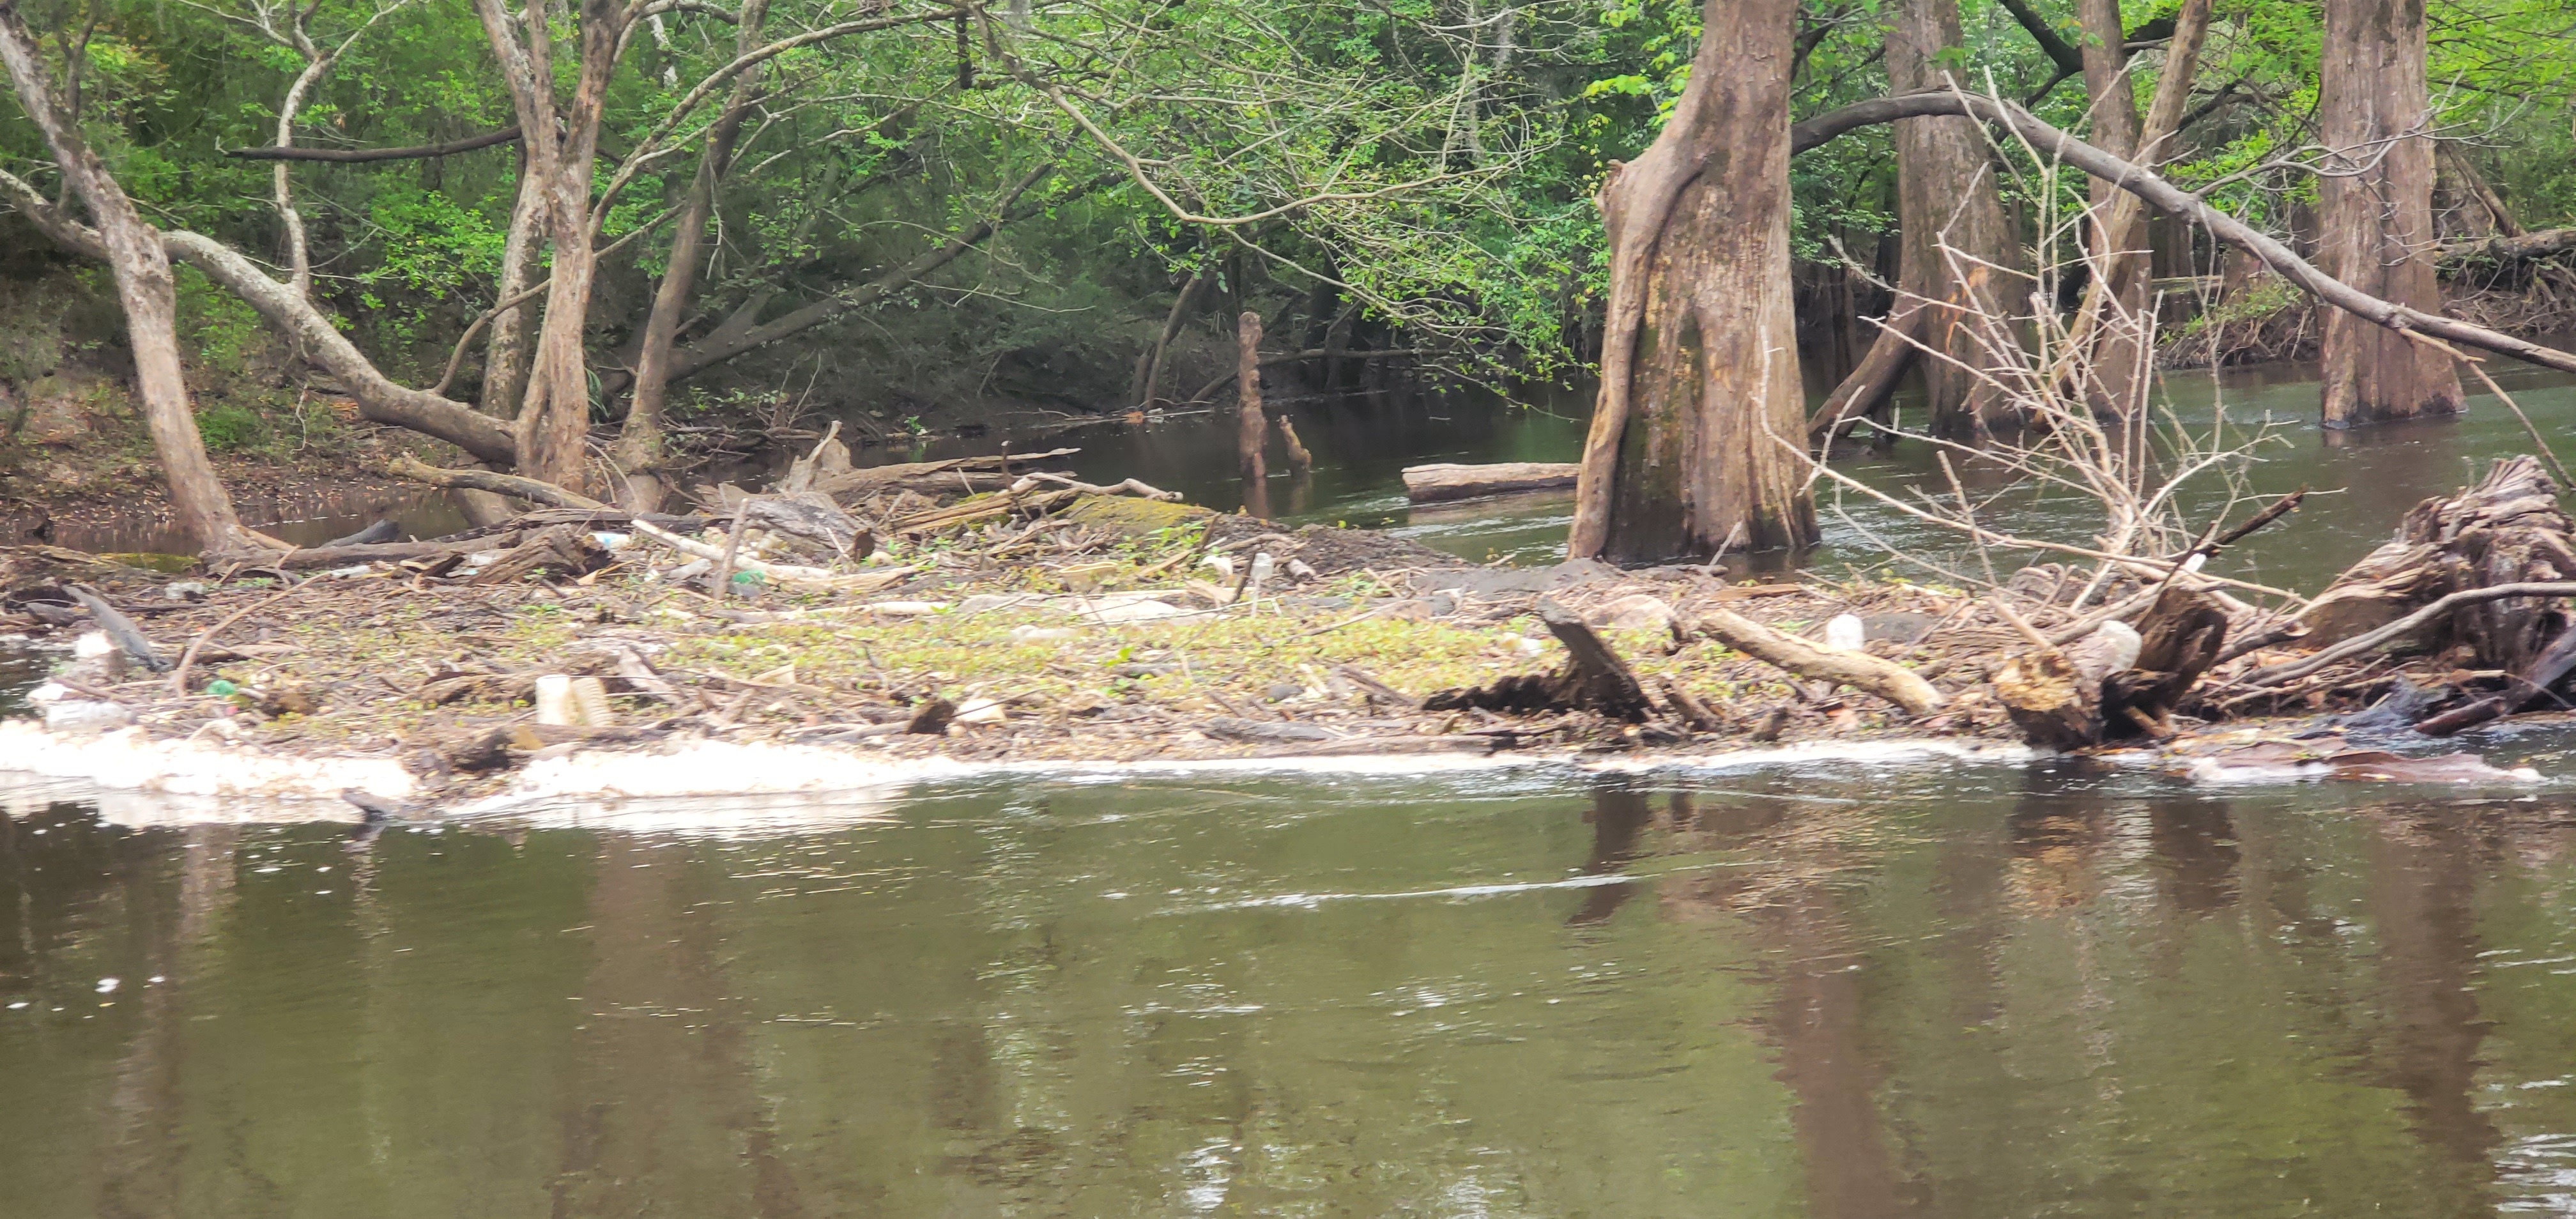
(1837, 991)
(1833, 990)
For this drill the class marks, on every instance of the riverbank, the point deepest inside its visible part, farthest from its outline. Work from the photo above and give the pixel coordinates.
(1126, 635)
(1161, 655)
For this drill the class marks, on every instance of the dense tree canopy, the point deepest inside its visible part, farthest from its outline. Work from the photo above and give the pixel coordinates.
(1034, 200)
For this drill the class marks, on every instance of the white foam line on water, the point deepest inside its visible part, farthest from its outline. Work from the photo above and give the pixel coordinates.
(1311, 900)
(761, 786)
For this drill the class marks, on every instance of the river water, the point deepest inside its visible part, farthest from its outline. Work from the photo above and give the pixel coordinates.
(1846, 991)
(2362, 481)
(1830, 990)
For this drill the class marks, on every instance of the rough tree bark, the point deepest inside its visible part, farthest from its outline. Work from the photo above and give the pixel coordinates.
(640, 449)
(2166, 197)
(144, 287)
(2376, 208)
(506, 350)
(1699, 357)
(1946, 196)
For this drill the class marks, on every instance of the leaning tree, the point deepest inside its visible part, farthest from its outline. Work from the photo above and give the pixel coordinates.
(1693, 440)
(1956, 248)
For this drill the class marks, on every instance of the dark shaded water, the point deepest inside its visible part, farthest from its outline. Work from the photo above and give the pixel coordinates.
(1832, 992)
(2363, 481)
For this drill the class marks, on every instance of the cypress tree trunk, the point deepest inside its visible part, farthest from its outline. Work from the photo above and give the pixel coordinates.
(1695, 440)
(2377, 224)
(1946, 196)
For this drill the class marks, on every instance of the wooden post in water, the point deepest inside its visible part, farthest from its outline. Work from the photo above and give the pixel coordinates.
(1251, 426)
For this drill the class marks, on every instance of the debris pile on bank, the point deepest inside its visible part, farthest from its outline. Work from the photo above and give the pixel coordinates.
(984, 610)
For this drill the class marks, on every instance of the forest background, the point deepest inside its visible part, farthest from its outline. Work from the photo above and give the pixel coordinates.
(919, 215)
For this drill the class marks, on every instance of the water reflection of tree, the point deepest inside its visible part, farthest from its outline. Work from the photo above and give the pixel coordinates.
(1792, 890)
(664, 1108)
(2424, 870)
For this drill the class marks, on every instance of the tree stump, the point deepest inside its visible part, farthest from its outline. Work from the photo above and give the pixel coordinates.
(2178, 640)
(1594, 679)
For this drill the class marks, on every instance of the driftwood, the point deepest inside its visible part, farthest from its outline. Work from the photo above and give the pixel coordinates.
(1446, 481)
(561, 549)
(2532, 687)
(2117, 682)
(932, 477)
(813, 517)
(1594, 679)
(2054, 695)
(119, 628)
(1886, 679)
(2506, 530)
(2503, 248)
(342, 556)
(413, 468)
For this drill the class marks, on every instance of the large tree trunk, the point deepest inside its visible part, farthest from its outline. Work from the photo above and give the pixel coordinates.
(641, 443)
(1692, 445)
(2378, 215)
(144, 287)
(1946, 197)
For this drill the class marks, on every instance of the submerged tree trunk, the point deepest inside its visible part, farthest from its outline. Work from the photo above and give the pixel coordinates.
(1251, 426)
(1946, 197)
(1693, 441)
(144, 287)
(2377, 214)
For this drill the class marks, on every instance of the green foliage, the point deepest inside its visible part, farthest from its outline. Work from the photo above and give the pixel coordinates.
(1424, 169)
(227, 428)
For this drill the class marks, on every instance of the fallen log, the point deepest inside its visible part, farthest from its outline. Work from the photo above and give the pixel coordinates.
(2503, 248)
(2508, 530)
(1860, 670)
(413, 468)
(308, 557)
(932, 477)
(1433, 483)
